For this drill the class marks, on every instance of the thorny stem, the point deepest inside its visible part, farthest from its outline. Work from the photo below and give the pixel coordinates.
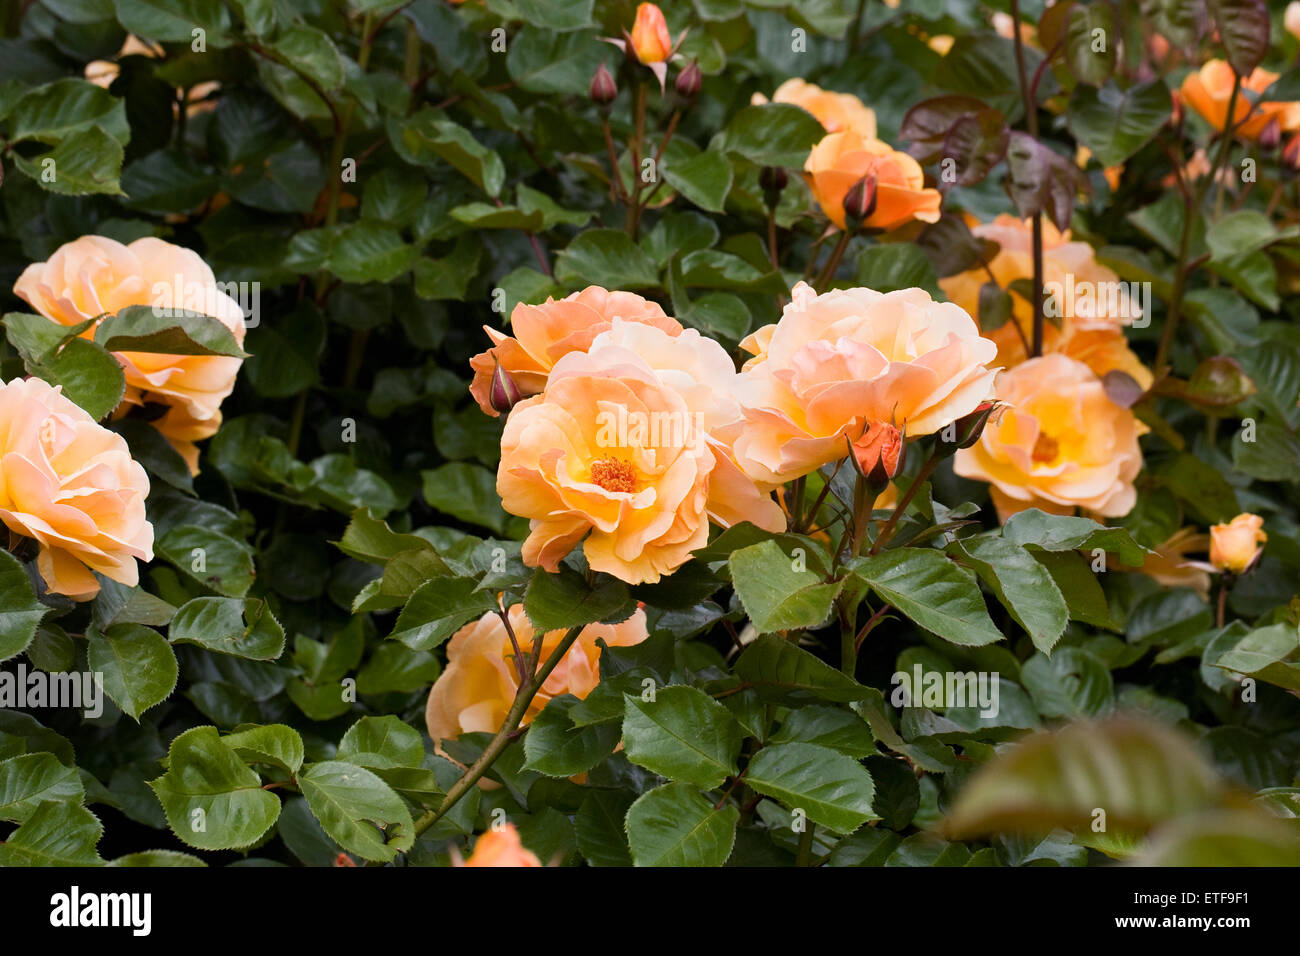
(833, 263)
(887, 531)
(523, 697)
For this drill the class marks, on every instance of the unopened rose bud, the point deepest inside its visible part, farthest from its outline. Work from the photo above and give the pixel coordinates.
(505, 394)
(772, 180)
(1237, 545)
(860, 202)
(878, 454)
(650, 41)
(689, 82)
(965, 431)
(603, 89)
(1291, 153)
(1270, 135)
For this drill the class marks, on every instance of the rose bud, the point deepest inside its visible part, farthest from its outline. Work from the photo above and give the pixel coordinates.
(689, 82)
(1270, 135)
(504, 394)
(1291, 153)
(650, 41)
(965, 431)
(603, 89)
(878, 454)
(772, 180)
(1237, 545)
(860, 202)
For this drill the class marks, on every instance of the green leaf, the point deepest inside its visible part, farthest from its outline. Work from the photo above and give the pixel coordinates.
(1023, 586)
(357, 809)
(1071, 683)
(138, 666)
(682, 734)
(50, 113)
(831, 788)
(1269, 653)
(556, 748)
(85, 162)
(29, 779)
(215, 560)
(598, 827)
(704, 179)
(1087, 63)
(559, 15)
(775, 595)
(211, 799)
(605, 257)
(833, 727)
(244, 628)
(1034, 528)
(1138, 771)
(1243, 27)
(931, 590)
(542, 60)
(273, 744)
(142, 328)
(381, 743)
(887, 267)
(773, 134)
(465, 491)
(559, 601)
(1223, 838)
(20, 612)
(772, 664)
(55, 834)
(312, 52)
(673, 825)
(437, 609)
(174, 20)
(156, 858)
(1116, 123)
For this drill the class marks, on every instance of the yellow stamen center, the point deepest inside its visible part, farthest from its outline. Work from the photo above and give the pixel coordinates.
(1046, 448)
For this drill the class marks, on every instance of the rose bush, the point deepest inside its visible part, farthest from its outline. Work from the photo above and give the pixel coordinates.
(724, 432)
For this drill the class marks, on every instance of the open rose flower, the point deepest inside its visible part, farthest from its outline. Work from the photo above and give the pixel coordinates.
(502, 848)
(1208, 90)
(835, 111)
(842, 359)
(476, 690)
(842, 159)
(95, 275)
(70, 484)
(1060, 444)
(1235, 546)
(621, 450)
(544, 334)
(1090, 301)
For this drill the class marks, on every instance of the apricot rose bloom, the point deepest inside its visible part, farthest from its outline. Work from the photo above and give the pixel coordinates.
(502, 848)
(835, 111)
(650, 39)
(1093, 304)
(70, 484)
(543, 334)
(94, 275)
(1208, 90)
(476, 690)
(1235, 546)
(1060, 445)
(842, 359)
(841, 159)
(621, 450)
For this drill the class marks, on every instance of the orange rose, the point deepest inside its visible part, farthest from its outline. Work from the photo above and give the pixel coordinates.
(71, 484)
(1235, 546)
(839, 360)
(474, 693)
(95, 275)
(1291, 19)
(621, 449)
(501, 848)
(835, 111)
(878, 452)
(841, 159)
(1089, 299)
(546, 333)
(1208, 90)
(1061, 443)
(650, 40)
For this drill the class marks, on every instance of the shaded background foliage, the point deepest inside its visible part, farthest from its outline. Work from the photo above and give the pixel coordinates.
(480, 182)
